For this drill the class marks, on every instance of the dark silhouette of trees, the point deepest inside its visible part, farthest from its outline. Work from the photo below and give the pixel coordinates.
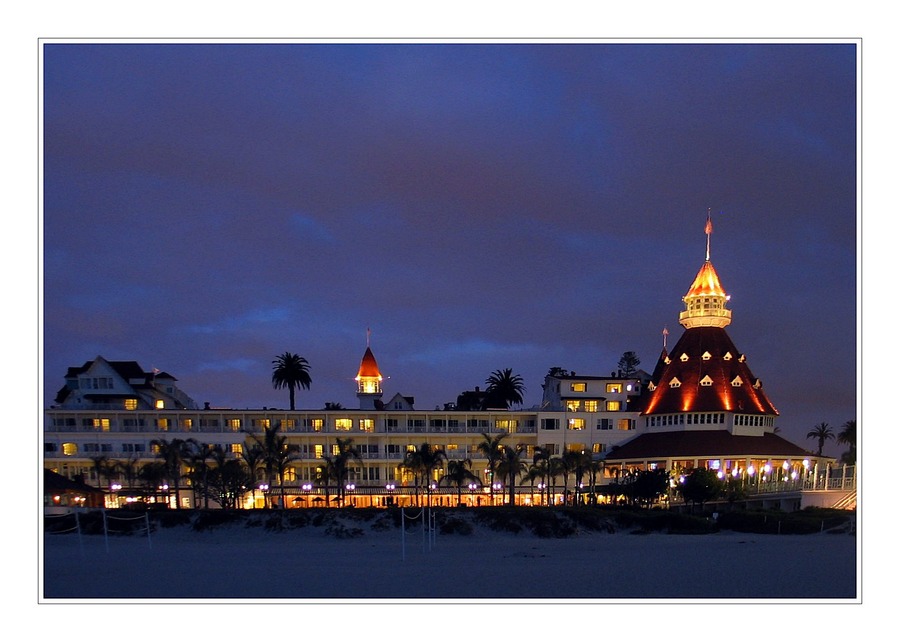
(821, 433)
(291, 371)
(628, 364)
(503, 389)
(847, 436)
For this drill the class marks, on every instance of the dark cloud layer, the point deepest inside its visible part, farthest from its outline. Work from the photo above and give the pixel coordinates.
(478, 206)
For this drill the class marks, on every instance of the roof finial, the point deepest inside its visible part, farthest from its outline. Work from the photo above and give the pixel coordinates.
(708, 230)
(665, 334)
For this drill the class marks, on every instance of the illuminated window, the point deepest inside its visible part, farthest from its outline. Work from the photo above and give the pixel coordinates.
(289, 424)
(625, 424)
(615, 388)
(597, 448)
(187, 423)
(262, 423)
(508, 425)
(613, 406)
(160, 404)
(684, 356)
(69, 449)
(131, 404)
(367, 425)
(706, 381)
(162, 424)
(319, 451)
(343, 424)
(290, 474)
(706, 356)
(102, 424)
(579, 386)
(316, 424)
(591, 405)
(234, 424)
(576, 424)
(728, 356)
(237, 449)
(572, 405)
(737, 382)
(675, 383)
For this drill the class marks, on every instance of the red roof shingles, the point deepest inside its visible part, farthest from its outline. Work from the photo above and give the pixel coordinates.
(690, 395)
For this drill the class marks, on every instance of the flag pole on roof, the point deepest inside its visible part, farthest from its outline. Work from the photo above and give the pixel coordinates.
(708, 231)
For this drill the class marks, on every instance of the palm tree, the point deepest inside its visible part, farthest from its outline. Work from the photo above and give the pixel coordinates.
(541, 463)
(291, 371)
(173, 454)
(512, 464)
(344, 452)
(490, 448)
(277, 454)
(325, 473)
(422, 462)
(101, 467)
(459, 473)
(503, 389)
(579, 463)
(821, 433)
(848, 436)
(253, 457)
(198, 455)
(556, 466)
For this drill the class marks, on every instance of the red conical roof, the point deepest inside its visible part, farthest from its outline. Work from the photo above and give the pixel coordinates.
(368, 367)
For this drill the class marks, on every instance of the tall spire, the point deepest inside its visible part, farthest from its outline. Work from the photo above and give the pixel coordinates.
(705, 300)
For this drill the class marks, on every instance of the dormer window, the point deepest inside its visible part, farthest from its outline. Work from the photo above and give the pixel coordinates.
(651, 386)
(757, 384)
(728, 356)
(743, 358)
(737, 382)
(668, 361)
(684, 357)
(706, 381)
(706, 356)
(675, 383)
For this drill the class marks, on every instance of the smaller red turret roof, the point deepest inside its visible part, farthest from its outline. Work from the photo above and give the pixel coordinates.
(368, 367)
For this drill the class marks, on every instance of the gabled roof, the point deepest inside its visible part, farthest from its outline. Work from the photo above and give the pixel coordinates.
(705, 443)
(705, 362)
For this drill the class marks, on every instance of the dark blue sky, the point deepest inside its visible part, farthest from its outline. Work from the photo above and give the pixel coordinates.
(478, 206)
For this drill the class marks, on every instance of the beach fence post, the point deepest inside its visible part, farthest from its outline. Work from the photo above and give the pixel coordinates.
(105, 531)
(147, 524)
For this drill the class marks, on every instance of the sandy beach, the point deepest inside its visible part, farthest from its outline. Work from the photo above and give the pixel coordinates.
(309, 565)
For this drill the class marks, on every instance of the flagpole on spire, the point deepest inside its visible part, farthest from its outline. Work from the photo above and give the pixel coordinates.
(665, 334)
(708, 230)
(368, 336)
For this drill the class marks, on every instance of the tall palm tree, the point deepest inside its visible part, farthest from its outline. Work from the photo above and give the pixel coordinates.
(503, 389)
(290, 371)
(459, 473)
(579, 463)
(821, 433)
(101, 467)
(173, 453)
(556, 466)
(489, 446)
(512, 464)
(325, 474)
(198, 456)
(541, 463)
(848, 436)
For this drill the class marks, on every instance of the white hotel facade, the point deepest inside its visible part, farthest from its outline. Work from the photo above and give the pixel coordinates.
(115, 410)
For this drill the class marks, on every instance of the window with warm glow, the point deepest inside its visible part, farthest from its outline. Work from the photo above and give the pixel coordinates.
(706, 381)
(318, 451)
(162, 424)
(613, 406)
(289, 424)
(576, 424)
(367, 425)
(234, 424)
(614, 388)
(706, 356)
(508, 425)
(343, 424)
(591, 405)
(626, 424)
(101, 424)
(187, 423)
(160, 404)
(69, 449)
(579, 386)
(262, 423)
(317, 424)
(131, 404)
(237, 449)
(572, 405)
(675, 383)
